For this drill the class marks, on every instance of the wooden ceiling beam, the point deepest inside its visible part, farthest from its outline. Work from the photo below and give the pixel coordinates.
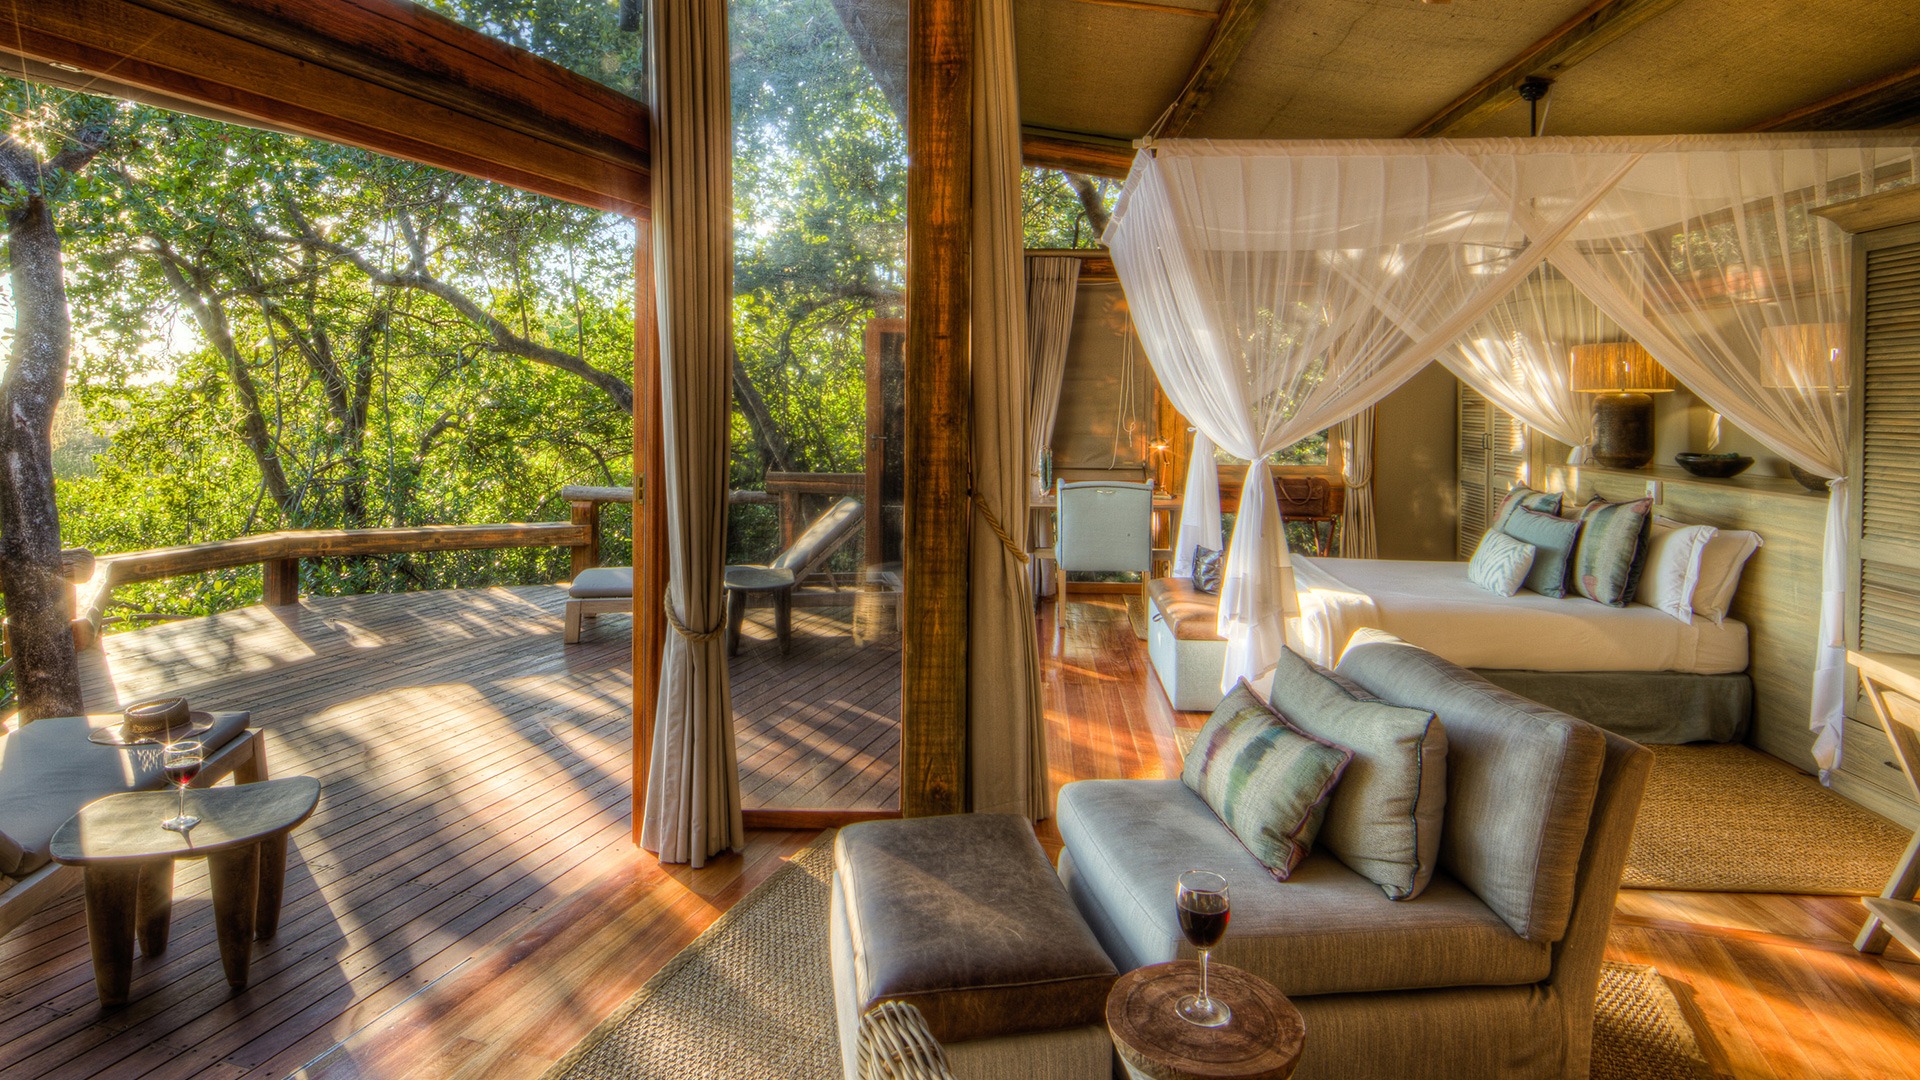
(1089, 154)
(1231, 32)
(1158, 9)
(1599, 25)
(1889, 101)
(383, 75)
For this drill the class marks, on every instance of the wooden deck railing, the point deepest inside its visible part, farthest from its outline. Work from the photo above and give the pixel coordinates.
(279, 555)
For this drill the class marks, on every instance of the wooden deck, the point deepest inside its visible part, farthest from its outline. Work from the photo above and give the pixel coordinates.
(467, 903)
(476, 773)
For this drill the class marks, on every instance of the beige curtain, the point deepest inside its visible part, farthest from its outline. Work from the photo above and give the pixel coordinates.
(1006, 739)
(1052, 283)
(1358, 535)
(693, 787)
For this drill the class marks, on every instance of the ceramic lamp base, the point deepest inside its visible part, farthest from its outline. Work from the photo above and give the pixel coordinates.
(1622, 430)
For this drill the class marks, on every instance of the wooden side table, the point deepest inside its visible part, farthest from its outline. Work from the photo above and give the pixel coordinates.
(1893, 685)
(128, 859)
(1262, 1042)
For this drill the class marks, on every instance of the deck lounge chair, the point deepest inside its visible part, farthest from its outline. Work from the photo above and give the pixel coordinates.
(810, 551)
(49, 770)
(602, 590)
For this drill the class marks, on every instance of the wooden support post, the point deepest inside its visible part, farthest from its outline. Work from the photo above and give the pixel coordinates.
(280, 582)
(586, 556)
(649, 515)
(933, 655)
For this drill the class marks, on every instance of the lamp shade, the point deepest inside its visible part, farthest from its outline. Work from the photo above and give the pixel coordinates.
(1618, 367)
(1804, 356)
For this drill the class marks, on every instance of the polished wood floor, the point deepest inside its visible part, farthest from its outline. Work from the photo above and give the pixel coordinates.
(483, 933)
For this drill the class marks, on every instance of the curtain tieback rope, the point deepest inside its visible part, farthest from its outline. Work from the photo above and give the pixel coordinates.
(999, 530)
(666, 604)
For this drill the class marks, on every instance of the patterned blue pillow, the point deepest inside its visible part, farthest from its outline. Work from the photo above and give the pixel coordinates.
(1520, 495)
(1500, 563)
(1553, 538)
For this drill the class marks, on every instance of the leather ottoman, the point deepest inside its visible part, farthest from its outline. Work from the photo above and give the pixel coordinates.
(964, 918)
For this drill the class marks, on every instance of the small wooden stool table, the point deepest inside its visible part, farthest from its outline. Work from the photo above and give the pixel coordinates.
(129, 859)
(1261, 1042)
(1892, 682)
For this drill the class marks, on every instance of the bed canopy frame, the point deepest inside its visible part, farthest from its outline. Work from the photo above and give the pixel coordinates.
(1282, 287)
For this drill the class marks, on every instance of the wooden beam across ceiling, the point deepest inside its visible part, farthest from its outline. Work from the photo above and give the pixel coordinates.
(1158, 9)
(1089, 154)
(382, 75)
(1889, 101)
(1599, 25)
(1235, 27)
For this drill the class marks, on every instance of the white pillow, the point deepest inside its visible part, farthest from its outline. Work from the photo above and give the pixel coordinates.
(1500, 564)
(1720, 565)
(1673, 567)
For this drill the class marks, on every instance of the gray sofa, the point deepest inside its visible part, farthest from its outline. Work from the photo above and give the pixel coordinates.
(1490, 972)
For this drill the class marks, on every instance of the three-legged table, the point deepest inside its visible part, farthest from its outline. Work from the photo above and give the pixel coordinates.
(129, 859)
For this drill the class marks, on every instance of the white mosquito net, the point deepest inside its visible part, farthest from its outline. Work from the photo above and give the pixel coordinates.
(1280, 288)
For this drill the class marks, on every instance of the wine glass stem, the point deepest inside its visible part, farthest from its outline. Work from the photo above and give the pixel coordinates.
(1206, 999)
(183, 814)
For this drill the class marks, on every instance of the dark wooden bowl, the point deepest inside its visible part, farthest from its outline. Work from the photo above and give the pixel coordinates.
(1714, 466)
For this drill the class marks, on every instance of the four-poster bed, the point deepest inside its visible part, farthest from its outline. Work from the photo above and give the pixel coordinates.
(1283, 287)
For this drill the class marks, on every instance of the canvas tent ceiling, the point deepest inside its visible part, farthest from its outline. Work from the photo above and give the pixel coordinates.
(1106, 69)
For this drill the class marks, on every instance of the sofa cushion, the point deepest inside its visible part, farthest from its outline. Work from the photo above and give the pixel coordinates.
(1207, 567)
(963, 917)
(1192, 615)
(1268, 780)
(48, 771)
(602, 583)
(1520, 781)
(1385, 817)
(1326, 930)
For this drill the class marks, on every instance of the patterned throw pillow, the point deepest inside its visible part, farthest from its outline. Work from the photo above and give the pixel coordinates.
(1612, 550)
(1206, 569)
(1500, 564)
(1521, 495)
(1553, 538)
(1265, 778)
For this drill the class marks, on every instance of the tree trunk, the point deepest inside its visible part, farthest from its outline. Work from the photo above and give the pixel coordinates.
(46, 673)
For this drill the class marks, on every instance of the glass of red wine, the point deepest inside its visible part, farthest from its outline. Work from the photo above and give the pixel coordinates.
(1202, 902)
(182, 761)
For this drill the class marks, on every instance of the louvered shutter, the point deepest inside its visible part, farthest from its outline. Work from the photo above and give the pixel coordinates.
(1492, 457)
(1889, 411)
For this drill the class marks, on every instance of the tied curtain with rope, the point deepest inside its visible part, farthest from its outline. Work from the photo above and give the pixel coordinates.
(1280, 288)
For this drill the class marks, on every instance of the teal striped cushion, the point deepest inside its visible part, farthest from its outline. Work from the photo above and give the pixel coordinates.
(1266, 779)
(1612, 550)
(1553, 538)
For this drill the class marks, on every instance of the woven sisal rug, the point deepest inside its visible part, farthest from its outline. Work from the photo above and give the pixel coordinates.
(752, 998)
(1731, 819)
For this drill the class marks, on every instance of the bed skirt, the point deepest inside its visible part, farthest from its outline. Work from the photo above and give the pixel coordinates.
(1645, 706)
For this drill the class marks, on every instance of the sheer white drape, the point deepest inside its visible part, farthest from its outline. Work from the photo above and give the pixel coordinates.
(1359, 537)
(1710, 259)
(1518, 356)
(1281, 287)
(1199, 507)
(693, 784)
(1053, 282)
(1006, 744)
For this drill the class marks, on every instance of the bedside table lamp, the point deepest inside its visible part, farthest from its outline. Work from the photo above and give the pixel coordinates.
(1620, 375)
(1810, 358)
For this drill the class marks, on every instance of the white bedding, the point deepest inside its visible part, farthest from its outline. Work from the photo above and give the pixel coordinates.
(1432, 605)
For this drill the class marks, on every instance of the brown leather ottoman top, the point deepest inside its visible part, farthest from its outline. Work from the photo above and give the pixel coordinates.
(1192, 615)
(964, 918)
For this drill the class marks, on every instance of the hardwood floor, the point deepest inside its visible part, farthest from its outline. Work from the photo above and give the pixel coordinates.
(467, 902)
